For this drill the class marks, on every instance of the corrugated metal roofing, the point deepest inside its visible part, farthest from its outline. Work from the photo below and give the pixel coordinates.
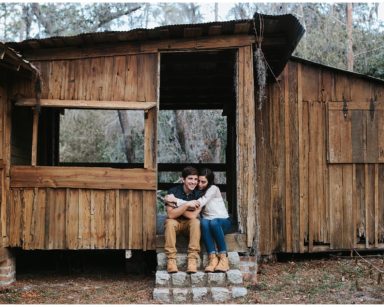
(280, 36)
(358, 75)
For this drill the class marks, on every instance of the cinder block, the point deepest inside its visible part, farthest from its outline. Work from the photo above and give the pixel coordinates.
(199, 279)
(239, 292)
(234, 277)
(180, 279)
(216, 279)
(180, 295)
(162, 295)
(161, 261)
(220, 295)
(234, 260)
(162, 278)
(199, 295)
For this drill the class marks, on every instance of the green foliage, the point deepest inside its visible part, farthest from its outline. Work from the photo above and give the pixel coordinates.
(84, 137)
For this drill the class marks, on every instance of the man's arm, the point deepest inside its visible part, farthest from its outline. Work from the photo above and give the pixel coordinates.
(192, 214)
(174, 213)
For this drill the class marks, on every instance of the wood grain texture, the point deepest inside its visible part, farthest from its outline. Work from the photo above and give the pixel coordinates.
(88, 104)
(64, 218)
(82, 177)
(246, 152)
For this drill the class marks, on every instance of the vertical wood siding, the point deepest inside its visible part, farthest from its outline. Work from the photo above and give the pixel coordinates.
(48, 218)
(3, 151)
(307, 203)
(70, 218)
(246, 145)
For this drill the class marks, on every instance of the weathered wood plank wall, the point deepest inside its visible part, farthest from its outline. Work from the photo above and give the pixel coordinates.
(321, 184)
(46, 218)
(66, 214)
(3, 153)
(246, 146)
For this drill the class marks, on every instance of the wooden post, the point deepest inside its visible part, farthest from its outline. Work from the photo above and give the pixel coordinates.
(35, 130)
(302, 178)
(376, 203)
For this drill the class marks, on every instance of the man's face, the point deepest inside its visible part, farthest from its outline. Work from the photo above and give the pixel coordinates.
(190, 183)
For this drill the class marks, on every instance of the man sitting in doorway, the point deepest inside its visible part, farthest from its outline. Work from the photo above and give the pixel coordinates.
(183, 219)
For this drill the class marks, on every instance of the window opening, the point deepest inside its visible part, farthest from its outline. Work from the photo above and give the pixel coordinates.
(101, 136)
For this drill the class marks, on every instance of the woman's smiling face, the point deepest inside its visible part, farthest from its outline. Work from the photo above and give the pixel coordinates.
(203, 182)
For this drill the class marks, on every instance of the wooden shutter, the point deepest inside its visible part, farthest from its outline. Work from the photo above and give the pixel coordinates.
(355, 132)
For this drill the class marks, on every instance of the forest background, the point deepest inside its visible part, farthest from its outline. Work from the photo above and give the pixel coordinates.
(343, 35)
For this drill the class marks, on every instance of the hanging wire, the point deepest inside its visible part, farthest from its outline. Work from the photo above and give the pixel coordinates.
(370, 263)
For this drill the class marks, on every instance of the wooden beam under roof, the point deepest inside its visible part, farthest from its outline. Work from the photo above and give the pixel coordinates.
(214, 30)
(242, 28)
(87, 104)
(192, 32)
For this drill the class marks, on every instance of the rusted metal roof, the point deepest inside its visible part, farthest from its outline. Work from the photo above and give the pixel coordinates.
(278, 36)
(327, 67)
(13, 61)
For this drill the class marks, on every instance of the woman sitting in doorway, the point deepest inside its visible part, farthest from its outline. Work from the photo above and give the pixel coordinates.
(215, 221)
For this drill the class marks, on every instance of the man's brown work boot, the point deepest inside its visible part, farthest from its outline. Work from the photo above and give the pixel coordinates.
(223, 265)
(192, 265)
(171, 266)
(213, 261)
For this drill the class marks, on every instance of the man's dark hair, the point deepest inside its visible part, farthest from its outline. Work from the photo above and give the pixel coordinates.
(189, 170)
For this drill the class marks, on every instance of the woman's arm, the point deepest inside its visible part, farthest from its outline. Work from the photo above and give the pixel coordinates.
(174, 213)
(210, 194)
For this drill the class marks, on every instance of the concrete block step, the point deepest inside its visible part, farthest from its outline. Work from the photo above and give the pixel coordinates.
(181, 260)
(199, 287)
(198, 294)
(199, 279)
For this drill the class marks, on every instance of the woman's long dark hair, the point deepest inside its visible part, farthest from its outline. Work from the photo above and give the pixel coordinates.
(207, 173)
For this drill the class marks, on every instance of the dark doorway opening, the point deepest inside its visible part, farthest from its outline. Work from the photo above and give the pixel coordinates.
(197, 118)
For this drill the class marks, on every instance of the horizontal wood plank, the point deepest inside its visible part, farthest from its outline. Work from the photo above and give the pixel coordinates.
(87, 104)
(84, 178)
(132, 48)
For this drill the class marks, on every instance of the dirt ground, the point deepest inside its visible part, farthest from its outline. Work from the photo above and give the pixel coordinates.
(330, 280)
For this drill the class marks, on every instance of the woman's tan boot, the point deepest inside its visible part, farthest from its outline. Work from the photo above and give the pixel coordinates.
(223, 265)
(213, 261)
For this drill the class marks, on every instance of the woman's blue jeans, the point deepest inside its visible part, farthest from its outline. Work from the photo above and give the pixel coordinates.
(213, 231)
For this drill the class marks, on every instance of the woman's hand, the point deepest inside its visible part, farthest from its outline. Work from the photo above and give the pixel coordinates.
(192, 205)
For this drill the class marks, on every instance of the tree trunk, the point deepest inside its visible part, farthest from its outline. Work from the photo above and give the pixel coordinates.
(349, 12)
(181, 131)
(216, 11)
(124, 124)
(27, 17)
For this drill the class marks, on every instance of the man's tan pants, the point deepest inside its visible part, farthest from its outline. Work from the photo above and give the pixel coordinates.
(177, 226)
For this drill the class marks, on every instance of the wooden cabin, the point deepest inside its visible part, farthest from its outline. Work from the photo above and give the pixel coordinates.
(303, 172)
